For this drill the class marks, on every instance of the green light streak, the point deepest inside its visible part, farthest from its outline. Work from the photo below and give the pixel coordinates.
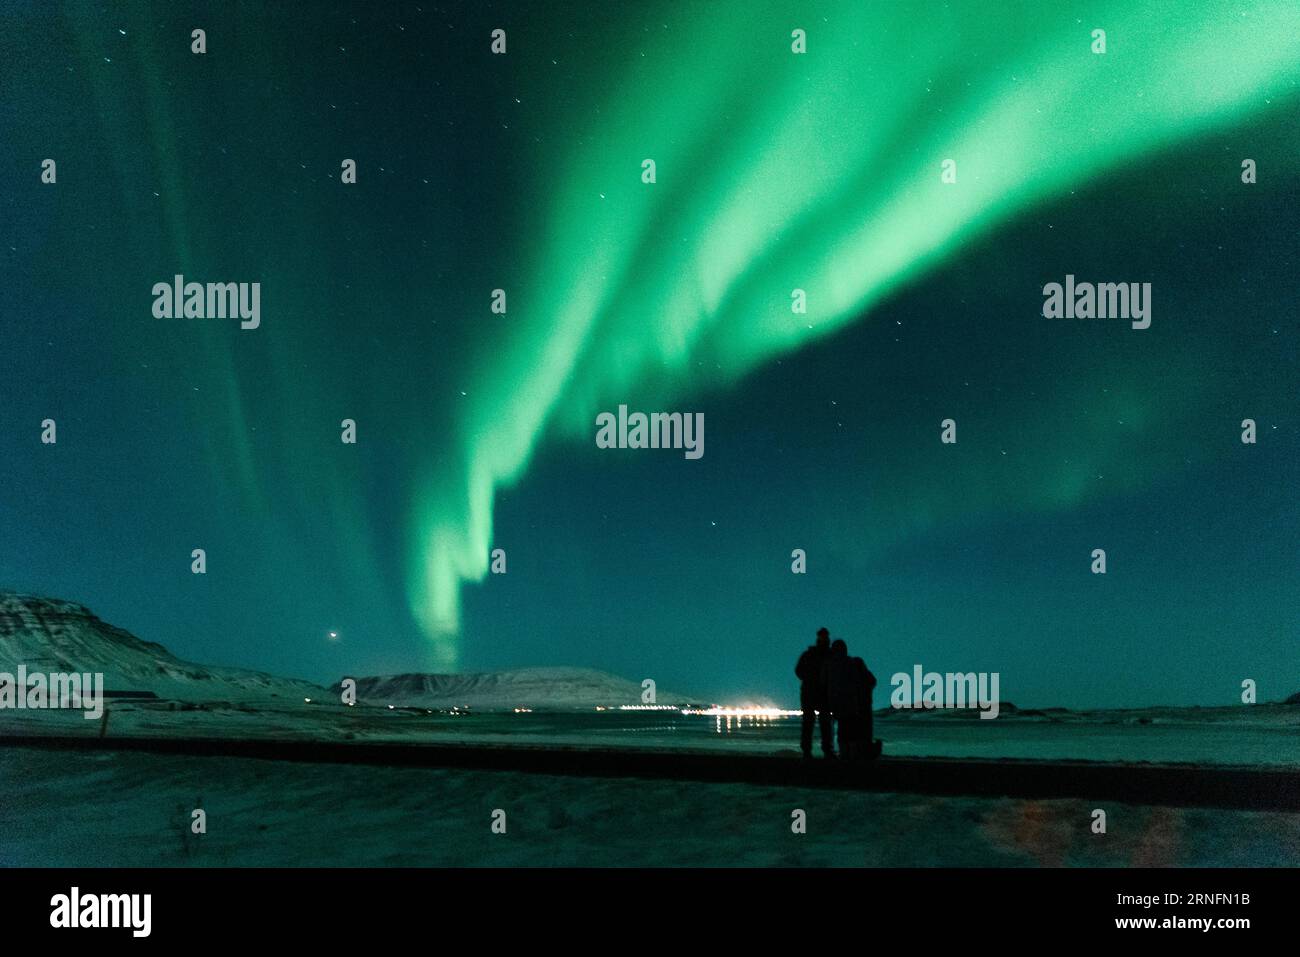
(817, 171)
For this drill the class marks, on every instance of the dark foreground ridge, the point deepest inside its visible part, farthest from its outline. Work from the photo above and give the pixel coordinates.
(1172, 785)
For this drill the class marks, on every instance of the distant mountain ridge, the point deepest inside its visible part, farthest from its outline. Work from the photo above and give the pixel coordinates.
(535, 688)
(53, 635)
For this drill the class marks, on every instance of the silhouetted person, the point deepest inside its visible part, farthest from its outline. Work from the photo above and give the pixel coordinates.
(848, 694)
(812, 695)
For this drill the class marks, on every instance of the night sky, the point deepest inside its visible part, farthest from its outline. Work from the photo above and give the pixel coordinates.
(774, 171)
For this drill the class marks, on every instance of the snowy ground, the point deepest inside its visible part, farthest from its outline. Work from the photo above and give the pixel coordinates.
(133, 809)
(1259, 734)
(128, 809)
(123, 809)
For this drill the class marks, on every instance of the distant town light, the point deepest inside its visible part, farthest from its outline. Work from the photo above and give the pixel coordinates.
(645, 707)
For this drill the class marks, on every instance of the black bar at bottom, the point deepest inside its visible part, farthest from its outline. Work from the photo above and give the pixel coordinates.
(656, 911)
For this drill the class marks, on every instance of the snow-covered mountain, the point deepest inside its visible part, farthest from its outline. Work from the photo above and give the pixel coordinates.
(51, 635)
(557, 689)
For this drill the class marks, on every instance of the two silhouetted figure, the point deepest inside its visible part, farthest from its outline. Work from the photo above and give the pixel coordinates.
(834, 685)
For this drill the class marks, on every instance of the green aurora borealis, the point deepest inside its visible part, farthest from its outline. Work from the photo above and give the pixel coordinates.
(775, 171)
(817, 172)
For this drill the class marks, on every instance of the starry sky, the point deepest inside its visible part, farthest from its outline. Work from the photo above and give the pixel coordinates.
(774, 171)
